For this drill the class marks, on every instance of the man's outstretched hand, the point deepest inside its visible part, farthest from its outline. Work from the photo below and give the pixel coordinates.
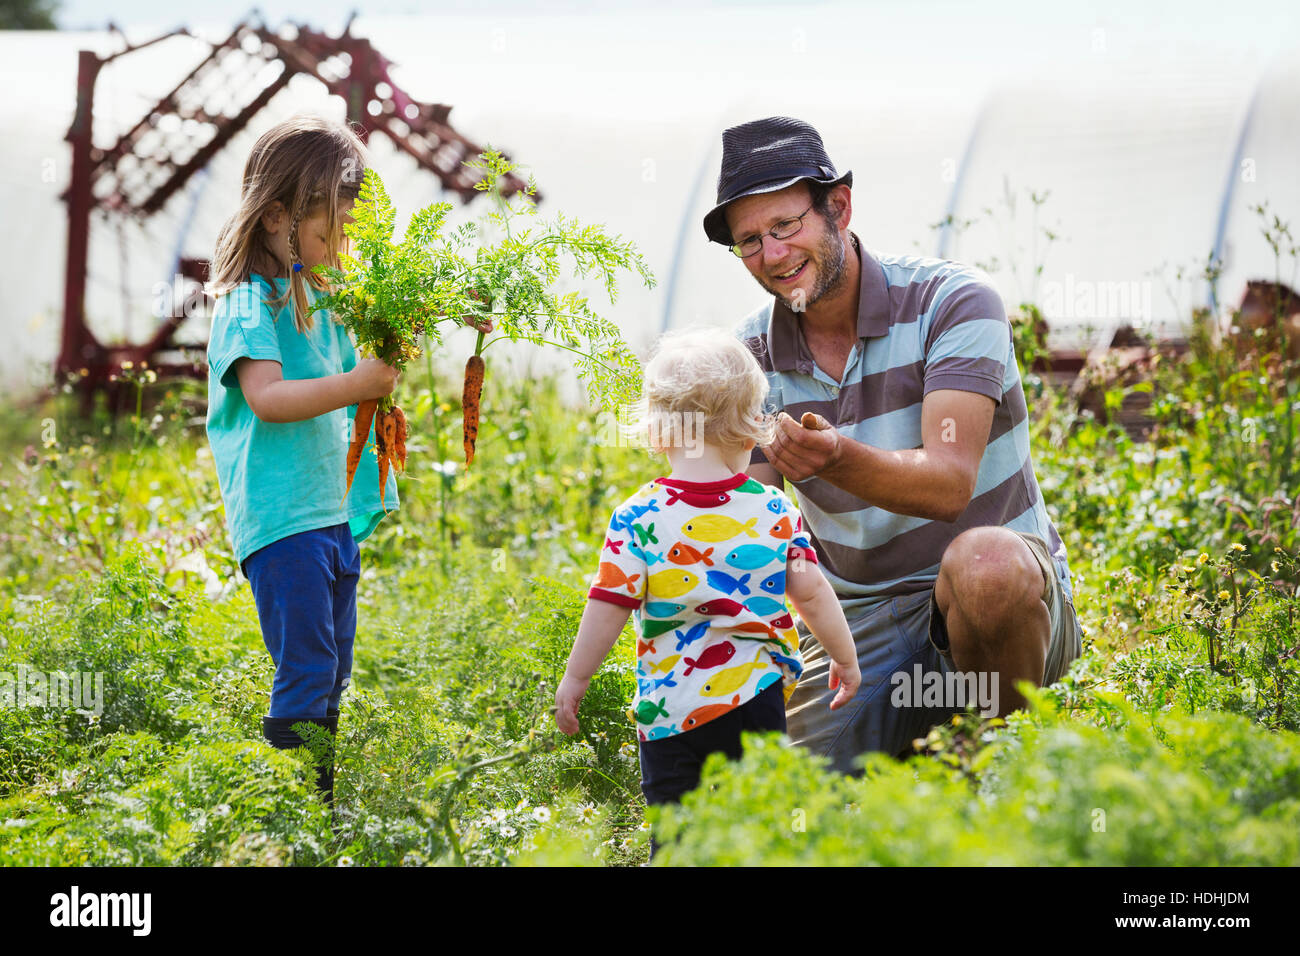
(804, 448)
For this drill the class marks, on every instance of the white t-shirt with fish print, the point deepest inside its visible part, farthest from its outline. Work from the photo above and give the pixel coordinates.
(703, 565)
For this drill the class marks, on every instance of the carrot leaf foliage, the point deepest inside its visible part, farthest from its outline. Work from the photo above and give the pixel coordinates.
(507, 267)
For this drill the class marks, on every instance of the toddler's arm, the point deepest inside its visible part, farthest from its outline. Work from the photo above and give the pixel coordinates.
(815, 600)
(602, 623)
(275, 399)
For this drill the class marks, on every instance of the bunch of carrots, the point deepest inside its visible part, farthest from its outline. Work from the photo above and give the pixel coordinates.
(390, 439)
(393, 297)
(391, 429)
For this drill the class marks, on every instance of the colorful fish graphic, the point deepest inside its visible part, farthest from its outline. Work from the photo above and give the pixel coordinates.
(763, 606)
(719, 606)
(714, 656)
(698, 499)
(776, 507)
(640, 511)
(733, 678)
(655, 628)
(665, 681)
(757, 627)
(613, 545)
(750, 556)
(752, 486)
(645, 647)
(648, 490)
(766, 681)
(713, 528)
(684, 554)
(662, 608)
(724, 582)
(691, 636)
(660, 732)
(611, 577)
(672, 583)
(649, 557)
(663, 665)
(782, 623)
(625, 517)
(645, 536)
(783, 661)
(783, 528)
(775, 584)
(702, 715)
(647, 711)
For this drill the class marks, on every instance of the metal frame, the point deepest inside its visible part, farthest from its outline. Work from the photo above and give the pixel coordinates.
(132, 177)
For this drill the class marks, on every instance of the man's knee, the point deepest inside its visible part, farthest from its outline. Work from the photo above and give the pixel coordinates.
(987, 575)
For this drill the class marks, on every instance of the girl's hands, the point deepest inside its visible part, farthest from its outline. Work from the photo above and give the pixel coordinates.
(567, 698)
(373, 379)
(847, 677)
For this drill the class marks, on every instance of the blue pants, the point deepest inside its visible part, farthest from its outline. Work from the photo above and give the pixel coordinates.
(305, 587)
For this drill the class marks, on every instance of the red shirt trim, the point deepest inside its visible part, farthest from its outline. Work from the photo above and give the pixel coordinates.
(613, 597)
(722, 484)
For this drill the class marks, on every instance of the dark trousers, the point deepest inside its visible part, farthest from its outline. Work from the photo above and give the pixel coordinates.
(671, 766)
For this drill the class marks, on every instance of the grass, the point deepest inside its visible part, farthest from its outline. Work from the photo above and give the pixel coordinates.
(1172, 740)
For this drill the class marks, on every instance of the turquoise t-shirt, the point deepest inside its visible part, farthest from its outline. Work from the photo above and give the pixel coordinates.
(281, 479)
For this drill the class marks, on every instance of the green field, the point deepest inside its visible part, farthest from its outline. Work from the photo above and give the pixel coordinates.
(1172, 741)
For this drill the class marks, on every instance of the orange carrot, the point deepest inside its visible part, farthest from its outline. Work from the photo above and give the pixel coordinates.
(474, 370)
(399, 440)
(384, 433)
(360, 435)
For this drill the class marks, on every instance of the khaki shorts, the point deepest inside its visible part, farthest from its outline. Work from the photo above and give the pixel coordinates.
(1066, 642)
(897, 637)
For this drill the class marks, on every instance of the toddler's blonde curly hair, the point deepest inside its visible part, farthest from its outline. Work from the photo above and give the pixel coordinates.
(703, 384)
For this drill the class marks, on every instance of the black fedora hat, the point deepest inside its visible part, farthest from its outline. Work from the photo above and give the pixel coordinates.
(763, 156)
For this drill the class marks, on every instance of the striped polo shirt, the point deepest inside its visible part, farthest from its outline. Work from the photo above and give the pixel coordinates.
(923, 324)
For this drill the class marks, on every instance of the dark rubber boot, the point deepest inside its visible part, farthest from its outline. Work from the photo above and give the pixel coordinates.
(279, 733)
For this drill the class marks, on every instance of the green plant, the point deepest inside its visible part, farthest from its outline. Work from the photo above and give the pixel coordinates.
(390, 294)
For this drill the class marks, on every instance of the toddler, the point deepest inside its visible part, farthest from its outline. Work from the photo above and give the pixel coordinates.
(704, 558)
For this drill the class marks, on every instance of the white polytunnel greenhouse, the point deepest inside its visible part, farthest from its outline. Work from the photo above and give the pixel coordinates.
(1097, 187)
(1100, 199)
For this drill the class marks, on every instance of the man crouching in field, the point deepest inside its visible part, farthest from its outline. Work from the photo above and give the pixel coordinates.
(903, 428)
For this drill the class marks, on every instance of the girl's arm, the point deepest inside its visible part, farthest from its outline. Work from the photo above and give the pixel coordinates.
(602, 623)
(275, 399)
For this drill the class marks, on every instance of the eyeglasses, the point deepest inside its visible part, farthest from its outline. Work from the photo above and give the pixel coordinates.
(782, 230)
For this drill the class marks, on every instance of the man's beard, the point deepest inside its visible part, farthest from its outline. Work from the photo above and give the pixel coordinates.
(830, 261)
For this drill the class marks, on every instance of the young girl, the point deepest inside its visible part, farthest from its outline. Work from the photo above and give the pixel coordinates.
(705, 557)
(282, 388)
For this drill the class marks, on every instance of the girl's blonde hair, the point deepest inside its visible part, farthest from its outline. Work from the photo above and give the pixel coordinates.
(703, 384)
(308, 164)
